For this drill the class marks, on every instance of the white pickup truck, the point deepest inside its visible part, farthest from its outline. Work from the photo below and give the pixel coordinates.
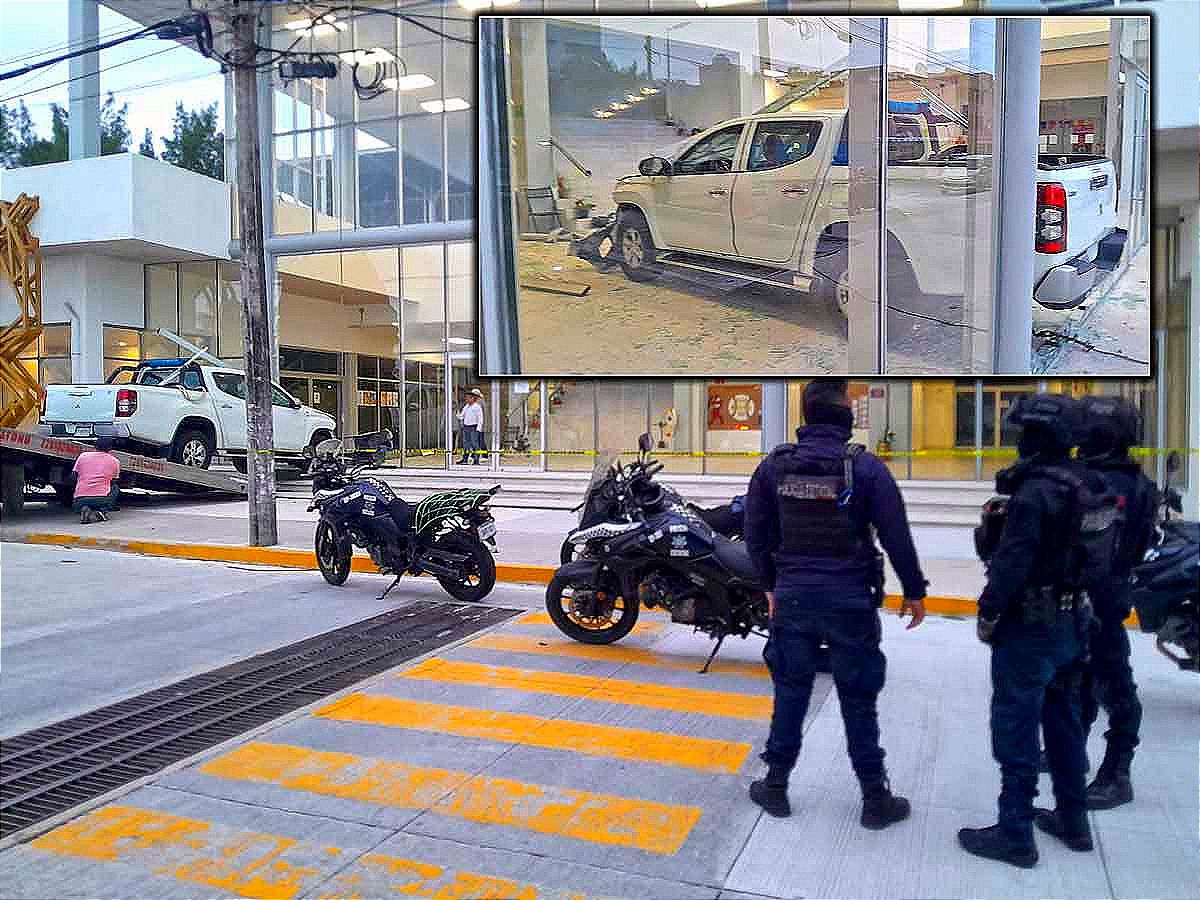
(184, 411)
(766, 197)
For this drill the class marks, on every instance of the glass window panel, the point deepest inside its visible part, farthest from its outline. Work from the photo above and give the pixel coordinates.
(673, 426)
(123, 345)
(421, 140)
(229, 319)
(198, 303)
(56, 371)
(424, 303)
(570, 425)
(425, 412)
(378, 173)
(285, 109)
(940, 200)
(422, 54)
(56, 340)
(520, 423)
(325, 180)
(460, 164)
(465, 382)
(162, 309)
(621, 414)
(372, 32)
(368, 366)
(461, 295)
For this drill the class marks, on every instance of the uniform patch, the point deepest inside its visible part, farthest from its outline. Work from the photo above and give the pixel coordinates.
(810, 487)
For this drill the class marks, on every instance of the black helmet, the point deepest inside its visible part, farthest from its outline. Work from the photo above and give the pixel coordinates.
(1054, 417)
(1109, 426)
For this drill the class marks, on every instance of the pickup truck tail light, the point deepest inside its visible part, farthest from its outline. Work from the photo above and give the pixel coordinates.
(126, 402)
(1050, 235)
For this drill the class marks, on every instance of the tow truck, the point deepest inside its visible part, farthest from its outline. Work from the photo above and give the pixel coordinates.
(32, 460)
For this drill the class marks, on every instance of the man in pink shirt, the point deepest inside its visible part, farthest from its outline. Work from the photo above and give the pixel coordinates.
(96, 475)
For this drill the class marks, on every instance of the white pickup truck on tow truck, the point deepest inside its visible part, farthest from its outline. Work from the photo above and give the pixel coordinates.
(183, 411)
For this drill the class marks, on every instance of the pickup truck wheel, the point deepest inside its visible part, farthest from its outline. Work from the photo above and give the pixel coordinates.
(636, 248)
(192, 448)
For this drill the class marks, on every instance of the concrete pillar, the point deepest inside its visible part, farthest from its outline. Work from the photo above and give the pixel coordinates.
(1189, 238)
(535, 89)
(83, 90)
(1019, 86)
(774, 415)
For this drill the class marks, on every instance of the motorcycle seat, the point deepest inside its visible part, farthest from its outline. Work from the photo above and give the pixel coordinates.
(734, 556)
(402, 513)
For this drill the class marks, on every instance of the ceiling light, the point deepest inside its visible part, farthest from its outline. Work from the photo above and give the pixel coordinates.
(774, 73)
(376, 55)
(649, 91)
(458, 340)
(408, 82)
(450, 104)
(707, 4)
(634, 98)
(476, 5)
(602, 113)
(617, 104)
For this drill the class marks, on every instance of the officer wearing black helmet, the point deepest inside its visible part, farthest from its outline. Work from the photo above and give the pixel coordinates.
(813, 510)
(1110, 428)
(1036, 625)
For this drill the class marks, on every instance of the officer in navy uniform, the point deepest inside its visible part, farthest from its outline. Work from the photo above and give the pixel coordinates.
(812, 512)
(1110, 428)
(1037, 640)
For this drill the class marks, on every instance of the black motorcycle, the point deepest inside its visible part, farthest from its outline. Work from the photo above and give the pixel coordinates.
(1166, 584)
(444, 535)
(601, 503)
(653, 551)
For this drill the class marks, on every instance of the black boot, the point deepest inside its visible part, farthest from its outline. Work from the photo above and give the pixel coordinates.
(1112, 786)
(1071, 830)
(881, 807)
(993, 843)
(771, 793)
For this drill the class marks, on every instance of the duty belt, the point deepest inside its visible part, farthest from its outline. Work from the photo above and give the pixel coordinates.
(1044, 604)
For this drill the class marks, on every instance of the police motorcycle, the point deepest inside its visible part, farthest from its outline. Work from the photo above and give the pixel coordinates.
(1166, 585)
(447, 534)
(601, 503)
(657, 552)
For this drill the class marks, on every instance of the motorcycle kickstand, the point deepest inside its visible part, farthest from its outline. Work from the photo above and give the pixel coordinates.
(379, 599)
(716, 649)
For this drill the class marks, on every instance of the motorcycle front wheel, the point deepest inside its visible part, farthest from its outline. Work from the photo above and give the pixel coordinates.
(333, 554)
(583, 616)
(480, 575)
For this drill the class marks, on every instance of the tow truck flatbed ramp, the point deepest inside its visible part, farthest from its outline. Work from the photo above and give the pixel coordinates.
(31, 457)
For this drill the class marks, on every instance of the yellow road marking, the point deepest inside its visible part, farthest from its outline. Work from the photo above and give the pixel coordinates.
(705, 754)
(242, 863)
(632, 693)
(600, 818)
(642, 627)
(249, 864)
(515, 643)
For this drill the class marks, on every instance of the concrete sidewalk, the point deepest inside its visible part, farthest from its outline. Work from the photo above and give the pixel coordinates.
(527, 537)
(520, 764)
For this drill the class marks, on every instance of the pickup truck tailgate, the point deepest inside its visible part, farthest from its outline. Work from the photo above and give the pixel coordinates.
(80, 403)
(1091, 206)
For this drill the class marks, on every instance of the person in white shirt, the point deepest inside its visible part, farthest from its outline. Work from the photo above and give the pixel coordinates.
(472, 427)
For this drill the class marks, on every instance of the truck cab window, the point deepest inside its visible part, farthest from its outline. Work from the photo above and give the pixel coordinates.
(228, 383)
(779, 144)
(279, 398)
(712, 156)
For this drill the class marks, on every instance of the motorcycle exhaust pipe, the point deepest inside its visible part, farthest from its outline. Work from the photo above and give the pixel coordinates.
(445, 564)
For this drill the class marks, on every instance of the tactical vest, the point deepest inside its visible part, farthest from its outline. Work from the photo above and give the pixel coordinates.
(813, 498)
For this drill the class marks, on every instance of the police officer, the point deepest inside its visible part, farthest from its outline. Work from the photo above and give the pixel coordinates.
(812, 511)
(1110, 428)
(1037, 640)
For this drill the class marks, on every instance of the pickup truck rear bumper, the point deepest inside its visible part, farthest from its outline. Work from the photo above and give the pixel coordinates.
(1065, 286)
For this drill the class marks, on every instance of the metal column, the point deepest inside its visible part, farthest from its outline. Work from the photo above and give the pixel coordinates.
(774, 415)
(1018, 56)
(83, 90)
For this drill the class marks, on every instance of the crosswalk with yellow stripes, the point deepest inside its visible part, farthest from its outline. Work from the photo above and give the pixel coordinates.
(615, 706)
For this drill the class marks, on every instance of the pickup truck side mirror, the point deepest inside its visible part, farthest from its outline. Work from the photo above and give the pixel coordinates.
(654, 165)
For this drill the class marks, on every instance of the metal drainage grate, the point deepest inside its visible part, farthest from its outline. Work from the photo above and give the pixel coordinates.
(55, 768)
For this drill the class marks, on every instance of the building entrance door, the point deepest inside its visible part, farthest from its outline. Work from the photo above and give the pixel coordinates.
(319, 393)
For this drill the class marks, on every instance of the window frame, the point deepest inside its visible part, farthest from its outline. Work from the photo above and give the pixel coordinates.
(815, 137)
(740, 127)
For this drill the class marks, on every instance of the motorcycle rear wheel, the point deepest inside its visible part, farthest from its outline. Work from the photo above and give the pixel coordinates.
(600, 630)
(481, 577)
(333, 554)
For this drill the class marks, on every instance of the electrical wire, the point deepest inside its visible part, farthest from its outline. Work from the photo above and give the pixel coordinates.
(68, 45)
(1056, 339)
(104, 45)
(47, 87)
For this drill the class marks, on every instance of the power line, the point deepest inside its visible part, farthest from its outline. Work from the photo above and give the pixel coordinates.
(104, 45)
(48, 87)
(67, 45)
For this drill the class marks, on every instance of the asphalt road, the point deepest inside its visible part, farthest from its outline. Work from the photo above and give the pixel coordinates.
(85, 628)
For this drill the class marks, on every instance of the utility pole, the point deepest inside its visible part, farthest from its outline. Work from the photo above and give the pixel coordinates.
(260, 438)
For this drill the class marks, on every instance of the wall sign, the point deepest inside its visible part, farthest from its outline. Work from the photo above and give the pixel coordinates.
(735, 407)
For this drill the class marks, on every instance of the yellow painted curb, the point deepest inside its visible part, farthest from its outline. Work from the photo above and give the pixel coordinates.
(284, 557)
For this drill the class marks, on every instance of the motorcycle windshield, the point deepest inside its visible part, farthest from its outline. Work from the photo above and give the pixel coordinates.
(604, 462)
